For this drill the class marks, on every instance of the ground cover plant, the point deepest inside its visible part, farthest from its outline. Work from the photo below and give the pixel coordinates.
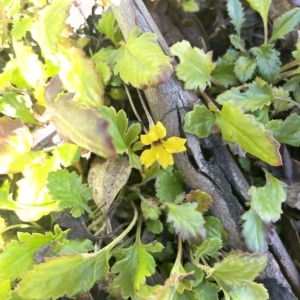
(137, 164)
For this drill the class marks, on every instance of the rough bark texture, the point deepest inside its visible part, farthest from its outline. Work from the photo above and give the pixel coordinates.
(218, 176)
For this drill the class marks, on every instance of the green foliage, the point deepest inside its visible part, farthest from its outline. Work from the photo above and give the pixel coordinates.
(136, 66)
(195, 65)
(236, 13)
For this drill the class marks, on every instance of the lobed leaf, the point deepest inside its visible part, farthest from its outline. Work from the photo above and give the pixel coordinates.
(45, 280)
(136, 66)
(67, 190)
(285, 24)
(241, 128)
(258, 95)
(195, 65)
(236, 13)
(136, 264)
(199, 121)
(268, 62)
(168, 185)
(187, 221)
(82, 125)
(150, 209)
(287, 131)
(266, 201)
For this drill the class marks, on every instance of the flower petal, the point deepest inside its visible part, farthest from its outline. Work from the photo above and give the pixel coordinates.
(174, 144)
(164, 158)
(148, 157)
(149, 138)
(159, 130)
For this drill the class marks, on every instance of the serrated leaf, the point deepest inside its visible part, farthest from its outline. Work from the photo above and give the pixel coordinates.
(78, 74)
(250, 291)
(244, 68)
(237, 269)
(187, 221)
(255, 232)
(18, 257)
(195, 65)
(262, 7)
(287, 131)
(5, 288)
(266, 201)
(214, 228)
(21, 27)
(123, 136)
(268, 62)
(136, 264)
(249, 134)
(281, 101)
(82, 125)
(150, 209)
(47, 30)
(107, 25)
(66, 188)
(168, 185)
(203, 199)
(16, 141)
(136, 66)
(259, 94)
(44, 281)
(285, 24)
(17, 106)
(236, 13)
(154, 226)
(67, 154)
(237, 42)
(209, 248)
(199, 121)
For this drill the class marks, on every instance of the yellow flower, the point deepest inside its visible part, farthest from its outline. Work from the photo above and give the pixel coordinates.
(160, 150)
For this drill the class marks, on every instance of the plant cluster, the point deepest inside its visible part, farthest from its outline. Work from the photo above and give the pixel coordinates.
(169, 247)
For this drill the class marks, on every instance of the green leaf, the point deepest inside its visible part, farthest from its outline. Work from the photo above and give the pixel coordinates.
(67, 154)
(16, 141)
(199, 121)
(259, 94)
(224, 71)
(250, 291)
(135, 265)
(287, 131)
(107, 26)
(244, 68)
(66, 188)
(285, 24)
(237, 42)
(190, 6)
(236, 13)
(255, 232)
(168, 185)
(281, 101)
(18, 257)
(206, 291)
(44, 281)
(237, 269)
(150, 209)
(214, 228)
(195, 65)
(154, 226)
(262, 7)
(209, 248)
(17, 106)
(249, 134)
(50, 24)
(5, 288)
(201, 198)
(266, 201)
(82, 125)
(123, 136)
(78, 74)
(187, 221)
(21, 27)
(136, 66)
(268, 62)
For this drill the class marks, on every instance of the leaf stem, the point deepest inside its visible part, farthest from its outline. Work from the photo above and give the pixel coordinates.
(202, 267)
(290, 65)
(179, 251)
(150, 120)
(288, 100)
